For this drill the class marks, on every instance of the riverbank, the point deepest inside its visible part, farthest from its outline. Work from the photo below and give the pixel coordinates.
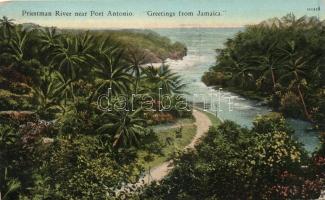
(167, 132)
(216, 121)
(202, 123)
(252, 95)
(269, 69)
(167, 142)
(201, 56)
(263, 101)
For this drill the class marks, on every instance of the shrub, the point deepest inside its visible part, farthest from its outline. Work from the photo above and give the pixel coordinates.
(237, 163)
(271, 122)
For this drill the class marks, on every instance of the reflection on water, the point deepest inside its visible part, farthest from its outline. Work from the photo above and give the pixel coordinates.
(201, 44)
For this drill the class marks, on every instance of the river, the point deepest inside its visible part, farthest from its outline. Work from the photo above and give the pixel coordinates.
(201, 44)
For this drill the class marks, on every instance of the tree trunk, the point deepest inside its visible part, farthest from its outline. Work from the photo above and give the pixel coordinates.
(72, 92)
(303, 103)
(273, 77)
(302, 98)
(136, 85)
(137, 76)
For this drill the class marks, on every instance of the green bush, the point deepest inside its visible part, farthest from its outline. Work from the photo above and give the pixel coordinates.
(237, 163)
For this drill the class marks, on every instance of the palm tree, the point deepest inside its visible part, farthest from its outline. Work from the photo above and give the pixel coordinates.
(66, 92)
(244, 74)
(86, 44)
(112, 74)
(47, 94)
(268, 62)
(126, 127)
(7, 25)
(295, 72)
(86, 49)
(49, 39)
(70, 59)
(136, 57)
(292, 21)
(163, 78)
(67, 58)
(18, 46)
(106, 46)
(239, 68)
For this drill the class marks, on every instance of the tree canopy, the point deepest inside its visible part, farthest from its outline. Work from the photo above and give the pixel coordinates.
(281, 60)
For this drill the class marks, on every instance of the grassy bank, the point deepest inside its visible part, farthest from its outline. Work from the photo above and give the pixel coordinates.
(169, 142)
(215, 120)
(167, 132)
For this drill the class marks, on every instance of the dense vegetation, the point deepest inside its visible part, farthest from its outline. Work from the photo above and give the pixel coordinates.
(232, 162)
(55, 142)
(157, 48)
(281, 59)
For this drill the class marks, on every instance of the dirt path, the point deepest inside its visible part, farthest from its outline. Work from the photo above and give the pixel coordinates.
(202, 123)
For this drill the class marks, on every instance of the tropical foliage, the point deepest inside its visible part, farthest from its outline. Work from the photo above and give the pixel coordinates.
(77, 111)
(55, 141)
(232, 162)
(280, 59)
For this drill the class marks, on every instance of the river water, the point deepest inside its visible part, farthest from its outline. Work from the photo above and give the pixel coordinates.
(201, 44)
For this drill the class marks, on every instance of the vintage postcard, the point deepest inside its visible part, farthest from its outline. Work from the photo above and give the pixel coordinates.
(162, 100)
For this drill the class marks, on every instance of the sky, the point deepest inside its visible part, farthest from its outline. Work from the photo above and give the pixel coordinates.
(235, 13)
